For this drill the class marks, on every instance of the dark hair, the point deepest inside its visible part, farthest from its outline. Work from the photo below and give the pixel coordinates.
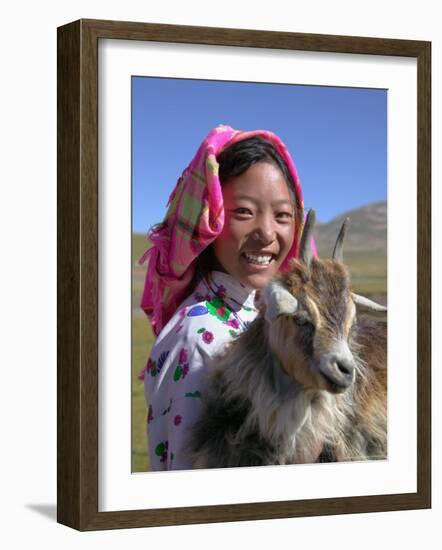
(237, 159)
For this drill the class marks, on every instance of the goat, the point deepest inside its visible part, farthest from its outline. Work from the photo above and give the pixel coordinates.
(307, 382)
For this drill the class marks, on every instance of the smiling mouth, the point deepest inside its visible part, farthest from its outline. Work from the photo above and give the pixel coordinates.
(258, 259)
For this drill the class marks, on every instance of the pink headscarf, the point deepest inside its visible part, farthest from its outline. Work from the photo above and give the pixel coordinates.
(195, 217)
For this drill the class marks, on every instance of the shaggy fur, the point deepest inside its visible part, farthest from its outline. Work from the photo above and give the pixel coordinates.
(267, 403)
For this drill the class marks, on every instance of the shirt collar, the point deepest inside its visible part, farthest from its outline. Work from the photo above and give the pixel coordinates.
(233, 289)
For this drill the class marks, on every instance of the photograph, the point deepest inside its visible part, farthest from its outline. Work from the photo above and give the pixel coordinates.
(236, 234)
(259, 274)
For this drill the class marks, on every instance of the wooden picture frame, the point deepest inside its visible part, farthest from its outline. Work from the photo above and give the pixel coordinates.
(77, 225)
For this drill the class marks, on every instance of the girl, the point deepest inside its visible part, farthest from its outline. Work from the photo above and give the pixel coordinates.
(233, 222)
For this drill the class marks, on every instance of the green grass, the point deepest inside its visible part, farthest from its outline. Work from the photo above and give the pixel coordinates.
(142, 340)
(141, 344)
(368, 274)
(139, 245)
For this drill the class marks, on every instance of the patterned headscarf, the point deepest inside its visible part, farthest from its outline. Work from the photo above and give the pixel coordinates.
(194, 219)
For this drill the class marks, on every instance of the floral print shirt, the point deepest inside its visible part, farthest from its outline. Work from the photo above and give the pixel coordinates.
(174, 378)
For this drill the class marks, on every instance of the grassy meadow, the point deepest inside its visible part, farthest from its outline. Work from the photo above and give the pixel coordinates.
(142, 339)
(369, 277)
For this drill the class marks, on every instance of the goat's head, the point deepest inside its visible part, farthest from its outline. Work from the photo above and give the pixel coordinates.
(311, 312)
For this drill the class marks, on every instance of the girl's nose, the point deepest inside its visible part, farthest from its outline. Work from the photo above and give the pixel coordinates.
(264, 232)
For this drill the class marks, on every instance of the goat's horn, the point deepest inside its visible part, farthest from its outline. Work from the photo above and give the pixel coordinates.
(278, 301)
(338, 251)
(365, 305)
(305, 247)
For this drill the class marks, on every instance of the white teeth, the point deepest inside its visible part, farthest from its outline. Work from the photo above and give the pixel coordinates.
(262, 260)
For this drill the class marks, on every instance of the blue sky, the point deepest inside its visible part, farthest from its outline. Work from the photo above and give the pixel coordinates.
(337, 138)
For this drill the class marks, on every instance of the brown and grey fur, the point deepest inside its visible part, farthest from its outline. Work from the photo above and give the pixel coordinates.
(276, 394)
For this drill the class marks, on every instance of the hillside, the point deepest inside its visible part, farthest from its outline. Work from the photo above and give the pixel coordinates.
(367, 231)
(365, 247)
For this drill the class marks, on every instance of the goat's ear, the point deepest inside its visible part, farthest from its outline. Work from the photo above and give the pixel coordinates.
(370, 308)
(278, 301)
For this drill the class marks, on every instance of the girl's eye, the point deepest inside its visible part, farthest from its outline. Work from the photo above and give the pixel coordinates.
(284, 215)
(243, 211)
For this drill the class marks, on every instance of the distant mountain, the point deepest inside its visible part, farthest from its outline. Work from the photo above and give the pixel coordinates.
(366, 234)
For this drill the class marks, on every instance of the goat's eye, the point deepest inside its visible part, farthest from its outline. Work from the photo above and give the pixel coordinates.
(302, 319)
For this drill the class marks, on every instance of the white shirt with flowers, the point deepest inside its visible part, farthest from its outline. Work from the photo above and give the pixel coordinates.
(174, 378)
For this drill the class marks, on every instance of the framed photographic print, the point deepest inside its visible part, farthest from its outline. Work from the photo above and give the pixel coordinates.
(135, 100)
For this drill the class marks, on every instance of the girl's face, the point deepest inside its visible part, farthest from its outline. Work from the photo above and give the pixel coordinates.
(259, 225)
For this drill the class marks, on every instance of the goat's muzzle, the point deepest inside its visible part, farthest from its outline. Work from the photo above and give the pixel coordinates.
(336, 372)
